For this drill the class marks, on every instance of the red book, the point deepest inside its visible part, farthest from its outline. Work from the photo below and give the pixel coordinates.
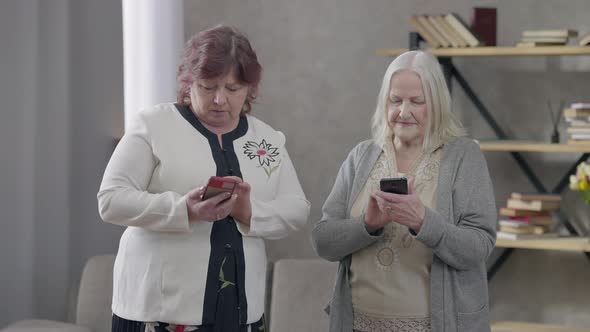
(546, 219)
(484, 24)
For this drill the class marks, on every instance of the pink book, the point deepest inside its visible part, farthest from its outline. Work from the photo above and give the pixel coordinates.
(580, 106)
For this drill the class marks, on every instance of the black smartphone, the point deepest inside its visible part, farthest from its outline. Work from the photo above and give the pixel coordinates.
(394, 185)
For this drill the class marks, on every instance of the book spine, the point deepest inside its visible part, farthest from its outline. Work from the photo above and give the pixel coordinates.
(484, 24)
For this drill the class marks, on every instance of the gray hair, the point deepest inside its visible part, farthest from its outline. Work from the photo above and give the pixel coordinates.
(442, 124)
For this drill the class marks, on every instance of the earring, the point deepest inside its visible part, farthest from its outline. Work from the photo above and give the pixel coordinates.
(187, 100)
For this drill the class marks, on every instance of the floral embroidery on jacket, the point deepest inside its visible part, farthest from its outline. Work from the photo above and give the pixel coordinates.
(265, 153)
(224, 283)
(164, 327)
(181, 328)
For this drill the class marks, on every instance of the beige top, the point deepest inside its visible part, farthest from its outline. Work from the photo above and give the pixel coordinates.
(390, 279)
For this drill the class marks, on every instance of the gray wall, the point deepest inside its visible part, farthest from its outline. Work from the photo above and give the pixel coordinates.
(97, 118)
(321, 77)
(16, 144)
(35, 200)
(61, 87)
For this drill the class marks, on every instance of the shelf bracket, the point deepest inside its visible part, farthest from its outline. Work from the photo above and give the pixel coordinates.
(450, 71)
(415, 40)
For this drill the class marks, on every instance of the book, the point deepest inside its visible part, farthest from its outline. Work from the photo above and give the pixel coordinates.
(521, 224)
(450, 31)
(555, 40)
(536, 196)
(579, 136)
(537, 44)
(462, 29)
(526, 229)
(524, 225)
(578, 130)
(513, 236)
(509, 212)
(424, 33)
(575, 112)
(577, 118)
(546, 220)
(432, 30)
(442, 31)
(484, 23)
(513, 223)
(532, 205)
(578, 123)
(584, 40)
(580, 106)
(562, 33)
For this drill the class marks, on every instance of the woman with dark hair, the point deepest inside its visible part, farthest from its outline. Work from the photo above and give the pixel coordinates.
(186, 262)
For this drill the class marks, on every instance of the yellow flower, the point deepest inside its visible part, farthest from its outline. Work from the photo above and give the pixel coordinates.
(583, 184)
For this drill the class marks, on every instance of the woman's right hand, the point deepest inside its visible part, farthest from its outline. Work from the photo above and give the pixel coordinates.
(375, 218)
(211, 209)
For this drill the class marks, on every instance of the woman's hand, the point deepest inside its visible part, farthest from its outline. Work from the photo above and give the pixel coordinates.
(407, 209)
(242, 210)
(375, 218)
(215, 208)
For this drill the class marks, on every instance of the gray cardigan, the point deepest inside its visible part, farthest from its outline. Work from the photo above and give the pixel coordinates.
(461, 232)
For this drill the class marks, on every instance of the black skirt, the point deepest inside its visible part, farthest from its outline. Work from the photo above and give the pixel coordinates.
(125, 325)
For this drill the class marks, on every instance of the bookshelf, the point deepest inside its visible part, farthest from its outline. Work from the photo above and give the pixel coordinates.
(495, 51)
(575, 243)
(579, 244)
(529, 146)
(509, 326)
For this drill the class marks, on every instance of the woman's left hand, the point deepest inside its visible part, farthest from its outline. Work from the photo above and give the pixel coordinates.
(242, 210)
(407, 209)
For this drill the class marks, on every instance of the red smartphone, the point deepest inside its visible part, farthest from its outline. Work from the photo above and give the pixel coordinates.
(218, 185)
(394, 185)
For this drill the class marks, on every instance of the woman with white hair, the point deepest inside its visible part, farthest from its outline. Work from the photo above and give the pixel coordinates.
(415, 261)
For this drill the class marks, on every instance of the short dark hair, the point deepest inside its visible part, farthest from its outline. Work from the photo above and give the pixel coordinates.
(215, 52)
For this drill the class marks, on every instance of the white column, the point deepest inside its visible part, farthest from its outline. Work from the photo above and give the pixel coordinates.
(153, 36)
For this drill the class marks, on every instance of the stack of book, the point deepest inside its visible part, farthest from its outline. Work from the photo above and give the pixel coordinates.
(532, 38)
(528, 216)
(577, 117)
(444, 31)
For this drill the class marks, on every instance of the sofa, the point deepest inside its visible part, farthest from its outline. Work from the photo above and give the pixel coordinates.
(92, 303)
(298, 290)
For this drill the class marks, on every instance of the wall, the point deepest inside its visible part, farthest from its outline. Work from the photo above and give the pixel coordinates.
(61, 90)
(16, 145)
(36, 116)
(97, 118)
(321, 77)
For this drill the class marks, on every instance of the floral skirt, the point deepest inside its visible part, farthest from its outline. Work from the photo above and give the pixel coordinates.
(125, 325)
(363, 323)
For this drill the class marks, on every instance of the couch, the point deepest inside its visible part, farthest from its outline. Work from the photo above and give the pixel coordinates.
(92, 304)
(298, 290)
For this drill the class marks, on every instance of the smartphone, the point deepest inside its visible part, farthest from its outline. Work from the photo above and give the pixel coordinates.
(218, 185)
(394, 185)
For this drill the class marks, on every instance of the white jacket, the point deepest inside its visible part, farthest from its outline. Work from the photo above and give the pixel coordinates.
(161, 267)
